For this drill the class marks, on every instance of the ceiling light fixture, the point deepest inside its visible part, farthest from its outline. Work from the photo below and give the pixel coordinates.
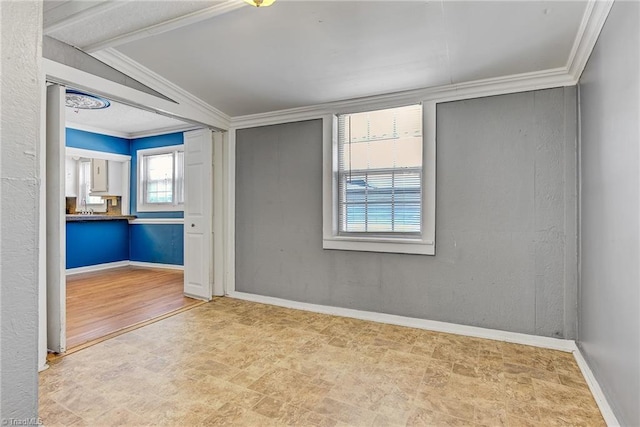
(260, 3)
(84, 101)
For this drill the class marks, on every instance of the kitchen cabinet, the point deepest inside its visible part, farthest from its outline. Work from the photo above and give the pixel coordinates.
(99, 176)
(106, 177)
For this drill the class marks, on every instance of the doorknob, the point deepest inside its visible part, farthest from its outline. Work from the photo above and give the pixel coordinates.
(193, 225)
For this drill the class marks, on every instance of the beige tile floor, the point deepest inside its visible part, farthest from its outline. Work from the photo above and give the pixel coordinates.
(232, 362)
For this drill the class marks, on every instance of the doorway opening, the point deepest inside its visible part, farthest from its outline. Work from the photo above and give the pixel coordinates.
(116, 256)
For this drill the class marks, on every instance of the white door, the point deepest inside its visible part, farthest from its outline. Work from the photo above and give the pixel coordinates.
(56, 220)
(198, 214)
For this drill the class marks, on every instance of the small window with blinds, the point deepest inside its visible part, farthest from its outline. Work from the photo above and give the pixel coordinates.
(380, 173)
(161, 179)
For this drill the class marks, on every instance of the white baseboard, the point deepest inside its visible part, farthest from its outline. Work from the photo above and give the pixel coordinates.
(97, 267)
(596, 391)
(109, 265)
(156, 265)
(568, 346)
(432, 325)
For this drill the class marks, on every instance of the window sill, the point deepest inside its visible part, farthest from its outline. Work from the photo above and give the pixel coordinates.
(160, 208)
(397, 246)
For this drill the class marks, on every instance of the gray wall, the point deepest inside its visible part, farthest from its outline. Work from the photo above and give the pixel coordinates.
(505, 221)
(609, 309)
(20, 88)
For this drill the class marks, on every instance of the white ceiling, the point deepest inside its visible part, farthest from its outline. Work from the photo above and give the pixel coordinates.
(245, 60)
(122, 120)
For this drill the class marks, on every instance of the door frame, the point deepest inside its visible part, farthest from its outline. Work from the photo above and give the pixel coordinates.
(64, 75)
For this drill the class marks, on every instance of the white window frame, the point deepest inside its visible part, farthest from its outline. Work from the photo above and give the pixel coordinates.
(422, 245)
(141, 205)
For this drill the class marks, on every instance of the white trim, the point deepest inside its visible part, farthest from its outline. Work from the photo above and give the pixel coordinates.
(411, 322)
(568, 346)
(93, 154)
(163, 27)
(596, 391)
(141, 204)
(81, 80)
(93, 129)
(424, 245)
(593, 20)
(156, 265)
(474, 89)
(118, 264)
(230, 206)
(164, 131)
(592, 23)
(156, 221)
(217, 229)
(96, 267)
(134, 135)
(215, 118)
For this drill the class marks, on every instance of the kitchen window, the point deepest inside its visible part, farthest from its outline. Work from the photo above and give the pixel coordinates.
(85, 201)
(380, 181)
(161, 179)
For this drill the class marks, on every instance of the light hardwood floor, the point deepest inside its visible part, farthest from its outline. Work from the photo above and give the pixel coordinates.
(238, 363)
(103, 302)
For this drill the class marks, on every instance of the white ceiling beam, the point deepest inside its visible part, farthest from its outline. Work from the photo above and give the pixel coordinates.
(162, 27)
(72, 12)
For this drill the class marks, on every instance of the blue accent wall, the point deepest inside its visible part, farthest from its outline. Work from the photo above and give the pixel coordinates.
(97, 242)
(141, 144)
(159, 243)
(97, 142)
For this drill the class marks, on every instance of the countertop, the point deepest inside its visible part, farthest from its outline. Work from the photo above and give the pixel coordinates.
(98, 217)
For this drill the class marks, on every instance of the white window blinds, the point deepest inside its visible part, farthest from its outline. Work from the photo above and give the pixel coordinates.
(380, 172)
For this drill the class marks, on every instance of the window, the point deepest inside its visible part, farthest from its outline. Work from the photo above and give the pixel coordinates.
(161, 179)
(87, 202)
(380, 181)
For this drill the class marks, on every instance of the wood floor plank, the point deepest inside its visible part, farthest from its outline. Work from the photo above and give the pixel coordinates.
(103, 302)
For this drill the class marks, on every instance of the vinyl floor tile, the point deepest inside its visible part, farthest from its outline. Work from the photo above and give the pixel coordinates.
(239, 363)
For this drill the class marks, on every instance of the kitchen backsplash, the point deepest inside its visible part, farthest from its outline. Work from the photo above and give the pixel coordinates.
(71, 204)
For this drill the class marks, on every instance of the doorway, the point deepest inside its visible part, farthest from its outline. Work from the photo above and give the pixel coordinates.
(118, 213)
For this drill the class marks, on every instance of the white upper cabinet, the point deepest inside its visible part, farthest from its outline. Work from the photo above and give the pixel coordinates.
(99, 176)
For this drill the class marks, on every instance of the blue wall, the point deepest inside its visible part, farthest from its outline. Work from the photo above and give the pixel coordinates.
(150, 142)
(97, 242)
(97, 142)
(159, 243)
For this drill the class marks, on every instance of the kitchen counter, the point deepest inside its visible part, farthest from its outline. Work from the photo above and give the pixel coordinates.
(98, 217)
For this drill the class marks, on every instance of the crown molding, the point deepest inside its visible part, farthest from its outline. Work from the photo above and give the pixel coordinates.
(163, 131)
(94, 129)
(132, 135)
(475, 89)
(590, 27)
(162, 27)
(593, 20)
(153, 80)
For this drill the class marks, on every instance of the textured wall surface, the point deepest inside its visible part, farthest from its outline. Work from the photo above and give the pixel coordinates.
(96, 141)
(159, 243)
(20, 92)
(97, 242)
(609, 309)
(505, 251)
